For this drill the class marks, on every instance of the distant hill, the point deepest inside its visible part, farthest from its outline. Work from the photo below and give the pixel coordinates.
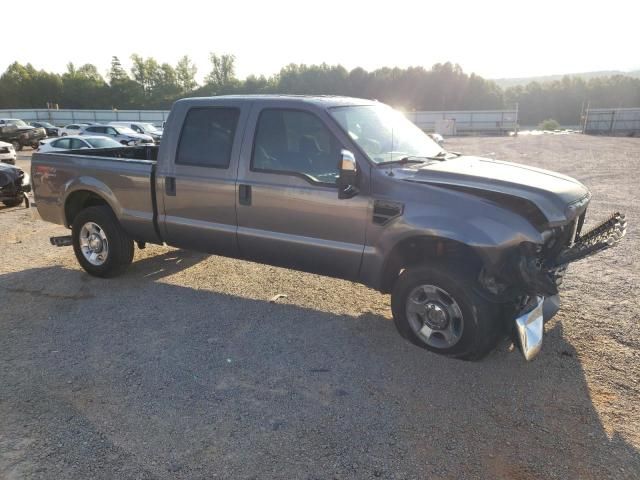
(512, 82)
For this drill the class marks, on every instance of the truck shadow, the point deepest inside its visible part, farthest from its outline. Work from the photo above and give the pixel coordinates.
(163, 381)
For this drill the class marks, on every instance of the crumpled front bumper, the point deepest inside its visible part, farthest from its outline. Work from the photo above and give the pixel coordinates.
(543, 277)
(530, 324)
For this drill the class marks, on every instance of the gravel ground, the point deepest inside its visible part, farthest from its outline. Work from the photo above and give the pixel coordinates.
(182, 368)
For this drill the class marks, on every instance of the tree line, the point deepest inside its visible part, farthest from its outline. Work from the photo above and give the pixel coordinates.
(152, 85)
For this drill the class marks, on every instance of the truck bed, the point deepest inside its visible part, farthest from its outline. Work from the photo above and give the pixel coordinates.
(124, 177)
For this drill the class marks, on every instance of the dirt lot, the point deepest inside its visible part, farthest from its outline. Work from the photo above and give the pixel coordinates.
(182, 368)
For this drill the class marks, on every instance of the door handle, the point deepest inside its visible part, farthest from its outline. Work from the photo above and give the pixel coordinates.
(170, 186)
(244, 194)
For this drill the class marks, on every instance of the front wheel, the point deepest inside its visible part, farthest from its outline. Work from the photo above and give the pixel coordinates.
(101, 245)
(437, 308)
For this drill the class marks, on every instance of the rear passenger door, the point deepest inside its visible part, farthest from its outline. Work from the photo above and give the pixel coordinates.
(197, 182)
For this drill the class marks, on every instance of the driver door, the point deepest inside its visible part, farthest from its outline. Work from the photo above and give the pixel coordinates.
(288, 209)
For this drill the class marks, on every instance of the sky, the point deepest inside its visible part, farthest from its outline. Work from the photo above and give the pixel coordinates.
(495, 39)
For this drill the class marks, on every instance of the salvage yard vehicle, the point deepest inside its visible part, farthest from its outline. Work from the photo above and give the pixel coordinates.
(145, 128)
(7, 153)
(471, 249)
(50, 129)
(123, 135)
(76, 142)
(19, 134)
(14, 184)
(72, 129)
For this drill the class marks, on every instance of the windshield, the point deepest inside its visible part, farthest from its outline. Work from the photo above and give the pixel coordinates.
(384, 133)
(45, 124)
(102, 142)
(17, 123)
(147, 127)
(126, 130)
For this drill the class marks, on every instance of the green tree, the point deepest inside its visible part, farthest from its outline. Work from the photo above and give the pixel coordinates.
(84, 86)
(186, 75)
(223, 71)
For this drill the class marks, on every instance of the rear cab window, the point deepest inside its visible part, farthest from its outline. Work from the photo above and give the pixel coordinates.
(207, 137)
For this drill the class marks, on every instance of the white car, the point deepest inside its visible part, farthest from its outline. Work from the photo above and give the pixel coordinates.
(76, 142)
(7, 153)
(72, 129)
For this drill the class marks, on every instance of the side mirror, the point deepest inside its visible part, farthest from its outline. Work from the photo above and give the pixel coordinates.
(348, 177)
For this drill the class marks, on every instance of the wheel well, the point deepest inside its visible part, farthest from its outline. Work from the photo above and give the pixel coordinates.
(80, 200)
(418, 250)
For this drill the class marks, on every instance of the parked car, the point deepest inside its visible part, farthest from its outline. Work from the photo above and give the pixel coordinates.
(52, 130)
(7, 153)
(469, 248)
(14, 184)
(73, 129)
(19, 134)
(124, 135)
(143, 128)
(76, 142)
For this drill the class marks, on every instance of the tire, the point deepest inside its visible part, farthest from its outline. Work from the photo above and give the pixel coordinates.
(13, 203)
(17, 146)
(469, 328)
(64, 134)
(119, 247)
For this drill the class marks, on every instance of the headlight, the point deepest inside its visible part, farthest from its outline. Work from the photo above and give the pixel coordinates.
(577, 206)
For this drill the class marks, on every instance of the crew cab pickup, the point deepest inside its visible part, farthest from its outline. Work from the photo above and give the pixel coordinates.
(471, 249)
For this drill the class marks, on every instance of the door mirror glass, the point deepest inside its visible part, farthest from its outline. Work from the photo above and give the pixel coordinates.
(348, 177)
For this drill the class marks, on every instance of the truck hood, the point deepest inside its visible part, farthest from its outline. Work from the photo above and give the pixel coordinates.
(551, 192)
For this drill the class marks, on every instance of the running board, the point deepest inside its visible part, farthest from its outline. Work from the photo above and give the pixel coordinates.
(64, 241)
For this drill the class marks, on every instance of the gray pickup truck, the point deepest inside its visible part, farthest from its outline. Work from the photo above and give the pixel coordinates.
(471, 249)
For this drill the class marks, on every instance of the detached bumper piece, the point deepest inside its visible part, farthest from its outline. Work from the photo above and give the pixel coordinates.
(599, 238)
(530, 324)
(530, 329)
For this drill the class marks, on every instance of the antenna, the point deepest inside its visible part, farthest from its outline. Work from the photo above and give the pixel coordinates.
(391, 155)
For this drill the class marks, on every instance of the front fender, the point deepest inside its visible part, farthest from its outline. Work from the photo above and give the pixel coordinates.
(491, 236)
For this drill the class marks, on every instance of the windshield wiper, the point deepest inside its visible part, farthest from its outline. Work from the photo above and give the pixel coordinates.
(405, 160)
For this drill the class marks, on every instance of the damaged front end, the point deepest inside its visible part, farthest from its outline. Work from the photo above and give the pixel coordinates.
(532, 275)
(14, 185)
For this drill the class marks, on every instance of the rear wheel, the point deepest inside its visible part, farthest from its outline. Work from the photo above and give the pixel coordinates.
(101, 245)
(437, 308)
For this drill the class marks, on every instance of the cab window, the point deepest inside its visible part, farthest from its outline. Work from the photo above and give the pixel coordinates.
(295, 142)
(207, 137)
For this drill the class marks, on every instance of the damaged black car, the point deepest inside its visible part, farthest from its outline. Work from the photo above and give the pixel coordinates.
(14, 186)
